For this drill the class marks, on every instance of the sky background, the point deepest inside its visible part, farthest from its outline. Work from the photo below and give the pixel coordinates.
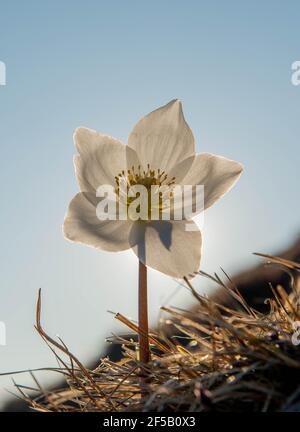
(104, 65)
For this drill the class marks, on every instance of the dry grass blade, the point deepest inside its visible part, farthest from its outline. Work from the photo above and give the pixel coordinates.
(278, 260)
(135, 328)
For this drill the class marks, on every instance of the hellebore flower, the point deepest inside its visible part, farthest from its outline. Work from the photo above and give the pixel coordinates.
(160, 154)
(160, 151)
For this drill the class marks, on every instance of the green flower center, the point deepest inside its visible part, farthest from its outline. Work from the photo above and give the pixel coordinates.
(147, 178)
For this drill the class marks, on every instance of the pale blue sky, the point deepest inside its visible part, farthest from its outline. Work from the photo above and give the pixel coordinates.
(104, 65)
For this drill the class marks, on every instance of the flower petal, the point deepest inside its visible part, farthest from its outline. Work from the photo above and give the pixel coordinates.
(100, 159)
(81, 225)
(163, 138)
(216, 173)
(171, 247)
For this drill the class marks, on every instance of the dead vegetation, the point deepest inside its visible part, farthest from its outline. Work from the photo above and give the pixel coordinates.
(213, 358)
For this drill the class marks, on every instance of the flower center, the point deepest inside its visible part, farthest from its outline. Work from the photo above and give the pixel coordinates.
(149, 178)
(146, 178)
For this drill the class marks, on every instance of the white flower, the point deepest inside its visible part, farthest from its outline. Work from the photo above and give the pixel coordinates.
(160, 142)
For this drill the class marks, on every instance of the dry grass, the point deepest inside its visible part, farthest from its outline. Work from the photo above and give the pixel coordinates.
(221, 359)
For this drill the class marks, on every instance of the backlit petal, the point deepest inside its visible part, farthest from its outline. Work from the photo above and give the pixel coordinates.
(81, 225)
(171, 247)
(100, 159)
(163, 138)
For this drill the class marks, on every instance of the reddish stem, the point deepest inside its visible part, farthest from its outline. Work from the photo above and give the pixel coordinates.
(143, 315)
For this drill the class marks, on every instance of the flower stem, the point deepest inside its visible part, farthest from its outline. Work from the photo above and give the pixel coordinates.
(143, 315)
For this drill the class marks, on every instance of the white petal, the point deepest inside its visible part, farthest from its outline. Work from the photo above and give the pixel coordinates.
(100, 159)
(171, 247)
(216, 173)
(81, 225)
(163, 138)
